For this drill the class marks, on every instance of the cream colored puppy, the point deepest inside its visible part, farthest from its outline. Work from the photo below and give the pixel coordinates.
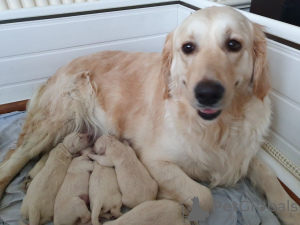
(104, 193)
(73, 196)
(134, 180)
(38, 204)
(34, 171)
(161, 212)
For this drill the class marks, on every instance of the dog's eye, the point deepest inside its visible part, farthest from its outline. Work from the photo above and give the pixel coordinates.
(234, 45)
(188, 48)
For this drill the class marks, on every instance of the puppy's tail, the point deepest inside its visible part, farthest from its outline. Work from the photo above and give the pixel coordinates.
(96, 213)
(34, 216)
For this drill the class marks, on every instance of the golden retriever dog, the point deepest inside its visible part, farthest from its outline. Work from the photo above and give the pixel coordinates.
(161, 212)
(104, 193)
(73, 196)
(131, 173)
(38, 204)
(198, 111)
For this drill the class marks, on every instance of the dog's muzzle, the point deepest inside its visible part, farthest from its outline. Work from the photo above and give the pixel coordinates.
(208, 94)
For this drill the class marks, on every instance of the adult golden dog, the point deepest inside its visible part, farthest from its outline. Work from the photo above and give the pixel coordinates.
(197, 111)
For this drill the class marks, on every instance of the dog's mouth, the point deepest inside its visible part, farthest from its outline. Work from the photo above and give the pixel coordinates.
(209, 113)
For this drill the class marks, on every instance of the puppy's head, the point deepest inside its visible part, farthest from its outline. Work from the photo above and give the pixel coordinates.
(76, 142)
(213, 56)
(102, 144)
(86, 151)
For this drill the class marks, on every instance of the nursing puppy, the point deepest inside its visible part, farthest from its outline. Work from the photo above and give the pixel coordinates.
(73, 196)
(104, 193)
(38, 203)
(134, 180)
(161, 212)
(34, 171)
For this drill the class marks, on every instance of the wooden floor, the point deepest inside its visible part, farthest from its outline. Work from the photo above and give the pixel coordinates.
(14, 106)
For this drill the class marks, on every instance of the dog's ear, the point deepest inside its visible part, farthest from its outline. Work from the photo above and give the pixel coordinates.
(167, 56)
(260, 79)
(99, 149)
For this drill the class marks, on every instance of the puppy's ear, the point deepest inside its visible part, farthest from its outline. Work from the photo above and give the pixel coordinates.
(167, 56)
(260, 79)
(99, 149)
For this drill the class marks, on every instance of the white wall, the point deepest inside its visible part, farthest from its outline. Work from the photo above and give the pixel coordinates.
(32, 51)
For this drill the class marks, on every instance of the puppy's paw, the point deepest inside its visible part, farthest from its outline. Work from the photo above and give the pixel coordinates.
(102, 160)
(87, 218)
(26, 182)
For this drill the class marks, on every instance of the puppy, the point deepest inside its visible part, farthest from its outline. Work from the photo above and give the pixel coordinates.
(34, 171)
(38, 203)
(134, 180)
(105, 194)
(161, 212)
(73, 196)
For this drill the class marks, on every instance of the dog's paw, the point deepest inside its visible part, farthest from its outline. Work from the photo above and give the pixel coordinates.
(202, 200)
(27, 182)
(290, 217)
(102, 160)
(87, 218)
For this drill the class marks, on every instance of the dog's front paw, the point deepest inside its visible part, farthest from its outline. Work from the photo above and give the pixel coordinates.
(290, 216)
(202, 200)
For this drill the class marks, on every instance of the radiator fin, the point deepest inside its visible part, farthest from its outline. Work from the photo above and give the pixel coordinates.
(19, 4)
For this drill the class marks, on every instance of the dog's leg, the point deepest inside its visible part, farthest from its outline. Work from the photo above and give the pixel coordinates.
(35, 170)
(96, 211)
(174, 184)
(39, 134)
(81, 210)
(64, 105)
(34, 216)
(265, 179)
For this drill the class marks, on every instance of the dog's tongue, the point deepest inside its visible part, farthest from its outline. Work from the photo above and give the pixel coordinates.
(209, 111)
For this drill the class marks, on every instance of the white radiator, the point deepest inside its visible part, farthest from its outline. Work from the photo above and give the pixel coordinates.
(18, 4)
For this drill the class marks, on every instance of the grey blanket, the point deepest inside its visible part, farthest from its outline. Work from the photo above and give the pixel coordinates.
(233, 206)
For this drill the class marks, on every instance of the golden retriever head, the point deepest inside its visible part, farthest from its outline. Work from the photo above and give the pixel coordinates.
(215, 55)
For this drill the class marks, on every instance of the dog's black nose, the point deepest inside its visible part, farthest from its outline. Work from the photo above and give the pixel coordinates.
(209, 92)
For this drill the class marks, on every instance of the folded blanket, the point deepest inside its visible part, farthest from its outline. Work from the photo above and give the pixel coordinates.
(238, 205)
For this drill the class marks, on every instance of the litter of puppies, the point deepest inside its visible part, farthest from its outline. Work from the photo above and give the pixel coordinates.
(79, 184)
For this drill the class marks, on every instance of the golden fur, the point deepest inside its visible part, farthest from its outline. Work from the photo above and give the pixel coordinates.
(148, 98)
(105, 196)
(38, 204)
(35, 170)
(131, 173)
(70, 206)
(161, 212)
